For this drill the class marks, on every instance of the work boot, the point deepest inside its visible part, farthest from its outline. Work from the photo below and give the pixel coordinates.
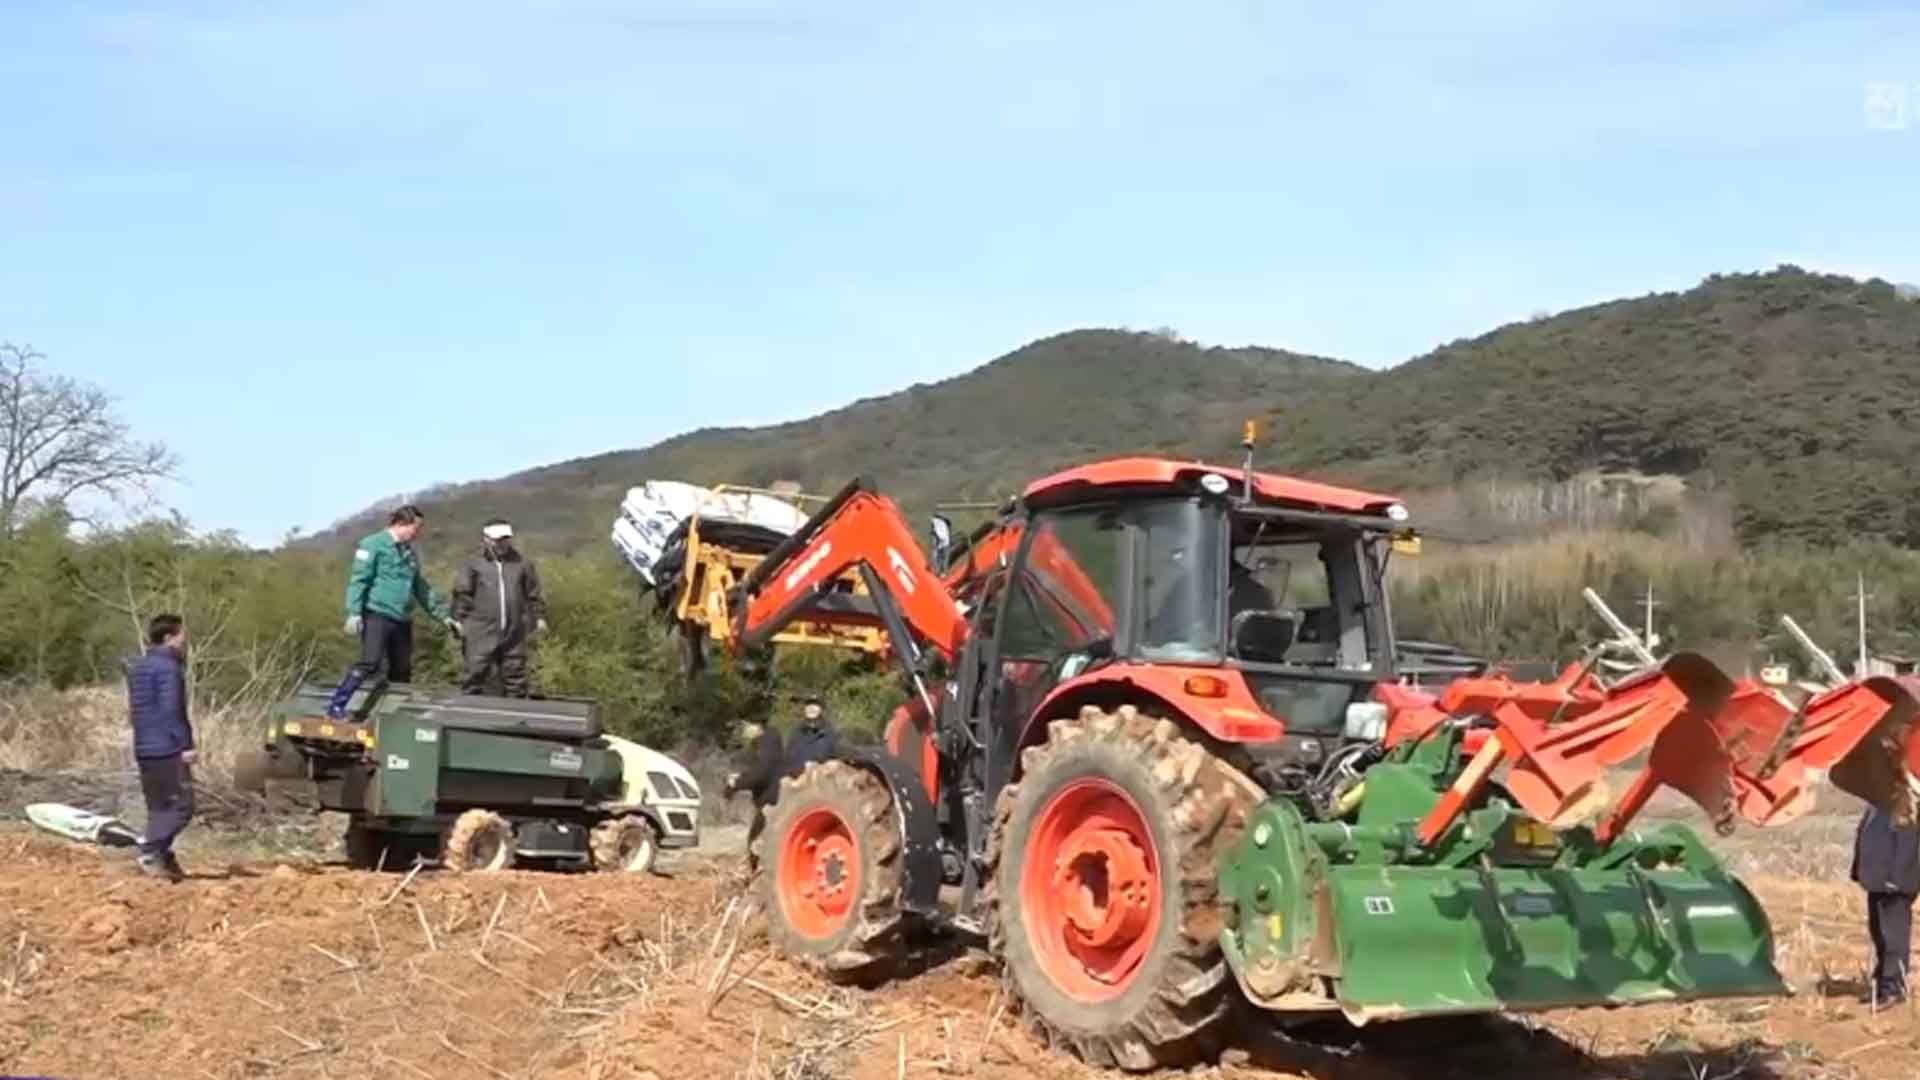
(1886, 995)
(160, 866)
(343, 695)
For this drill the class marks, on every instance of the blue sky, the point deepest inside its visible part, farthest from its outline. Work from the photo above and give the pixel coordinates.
(335, 251)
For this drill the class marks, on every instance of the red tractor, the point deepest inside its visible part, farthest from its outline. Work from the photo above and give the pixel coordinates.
(1156, 755)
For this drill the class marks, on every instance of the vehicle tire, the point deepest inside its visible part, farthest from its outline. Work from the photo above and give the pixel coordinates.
(1103, 895)
(480, 841)
(390, 852)
(366, 847)
(625, 845)
(829, 870)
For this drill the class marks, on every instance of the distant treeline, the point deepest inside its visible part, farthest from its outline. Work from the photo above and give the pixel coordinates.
(70, 609)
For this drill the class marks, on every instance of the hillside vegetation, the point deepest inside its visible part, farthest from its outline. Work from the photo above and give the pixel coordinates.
(1741, 447)
(1789, 394)
(980, 436)
(1793, 393)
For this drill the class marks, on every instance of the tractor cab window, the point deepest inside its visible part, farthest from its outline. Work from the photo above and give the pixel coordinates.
(1067, 588)
(1154, 564)
(1279, 603)
(1305, 620)
(1180, 550)
(1300, 599)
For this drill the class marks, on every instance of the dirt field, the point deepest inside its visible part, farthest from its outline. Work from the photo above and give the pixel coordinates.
(291, 966)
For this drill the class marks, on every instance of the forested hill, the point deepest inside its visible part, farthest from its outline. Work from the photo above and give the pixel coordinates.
(1797, 393)
(1793, 393)
(977, 436)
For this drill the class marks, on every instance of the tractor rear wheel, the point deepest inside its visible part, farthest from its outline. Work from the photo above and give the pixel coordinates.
(1103, 889)
(479, 841)
(829, 869)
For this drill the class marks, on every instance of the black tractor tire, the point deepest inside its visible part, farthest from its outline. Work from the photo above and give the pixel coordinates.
(370, 849)
(376, 849)
(624, 845)
(480, 841)
(860, 941)
(1175, 1006)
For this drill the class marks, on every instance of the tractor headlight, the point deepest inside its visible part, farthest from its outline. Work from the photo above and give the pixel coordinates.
(1396, 512)
(1366, 721)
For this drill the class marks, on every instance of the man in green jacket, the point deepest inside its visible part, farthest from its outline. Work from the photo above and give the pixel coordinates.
(385, 584)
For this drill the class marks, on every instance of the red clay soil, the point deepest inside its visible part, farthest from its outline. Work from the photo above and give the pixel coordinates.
(263, 971)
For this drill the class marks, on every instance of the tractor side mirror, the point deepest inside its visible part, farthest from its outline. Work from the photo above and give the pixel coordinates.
(942, 538)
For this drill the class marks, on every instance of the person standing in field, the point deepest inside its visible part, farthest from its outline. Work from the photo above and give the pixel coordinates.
(497, 600)
(760, 779)
(813, 738)
(162, 743)
(1886, 863)
(382, 589)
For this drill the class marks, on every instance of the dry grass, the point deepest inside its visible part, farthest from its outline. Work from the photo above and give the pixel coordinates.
(86, 730)
(1497, 509)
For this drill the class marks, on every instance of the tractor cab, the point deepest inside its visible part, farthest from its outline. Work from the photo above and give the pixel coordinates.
(1253, 605)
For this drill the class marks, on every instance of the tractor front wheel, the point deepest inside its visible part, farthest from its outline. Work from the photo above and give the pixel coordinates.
(624, 845)
(1104, 889)
(829, 869)
(479, 841)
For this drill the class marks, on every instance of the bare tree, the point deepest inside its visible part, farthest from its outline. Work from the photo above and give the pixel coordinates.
(59, 437)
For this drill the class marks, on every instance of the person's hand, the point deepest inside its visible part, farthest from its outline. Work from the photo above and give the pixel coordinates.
(189, 757)
(540, 626)
(354, 625)
(453, 626)
(733, 781)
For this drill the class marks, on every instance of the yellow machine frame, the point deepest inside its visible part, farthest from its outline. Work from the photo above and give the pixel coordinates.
(712, 571)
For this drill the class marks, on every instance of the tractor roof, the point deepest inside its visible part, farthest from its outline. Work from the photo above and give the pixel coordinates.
(1086, 481)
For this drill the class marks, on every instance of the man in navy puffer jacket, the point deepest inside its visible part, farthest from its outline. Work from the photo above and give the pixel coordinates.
(162, 742)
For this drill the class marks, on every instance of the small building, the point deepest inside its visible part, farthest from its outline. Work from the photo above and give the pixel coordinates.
(1889, 664)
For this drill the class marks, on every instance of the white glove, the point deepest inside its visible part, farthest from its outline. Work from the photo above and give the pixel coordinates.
(453, 626)
(354, 625)
(540, 626)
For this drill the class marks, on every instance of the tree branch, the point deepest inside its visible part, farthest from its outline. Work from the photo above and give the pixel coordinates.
(59, 436)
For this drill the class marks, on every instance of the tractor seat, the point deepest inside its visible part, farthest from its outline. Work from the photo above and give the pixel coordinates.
(1264, 636)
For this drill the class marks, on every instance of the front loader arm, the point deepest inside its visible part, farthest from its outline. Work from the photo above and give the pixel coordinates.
(862, 530)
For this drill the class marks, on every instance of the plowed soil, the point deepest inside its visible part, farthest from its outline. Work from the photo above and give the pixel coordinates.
(264, 969)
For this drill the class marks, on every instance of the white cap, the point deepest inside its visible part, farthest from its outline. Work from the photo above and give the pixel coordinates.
(498, 531)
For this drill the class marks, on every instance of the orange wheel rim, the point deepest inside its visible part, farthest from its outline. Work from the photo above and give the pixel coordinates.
(819, 873)
(1090, 889)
